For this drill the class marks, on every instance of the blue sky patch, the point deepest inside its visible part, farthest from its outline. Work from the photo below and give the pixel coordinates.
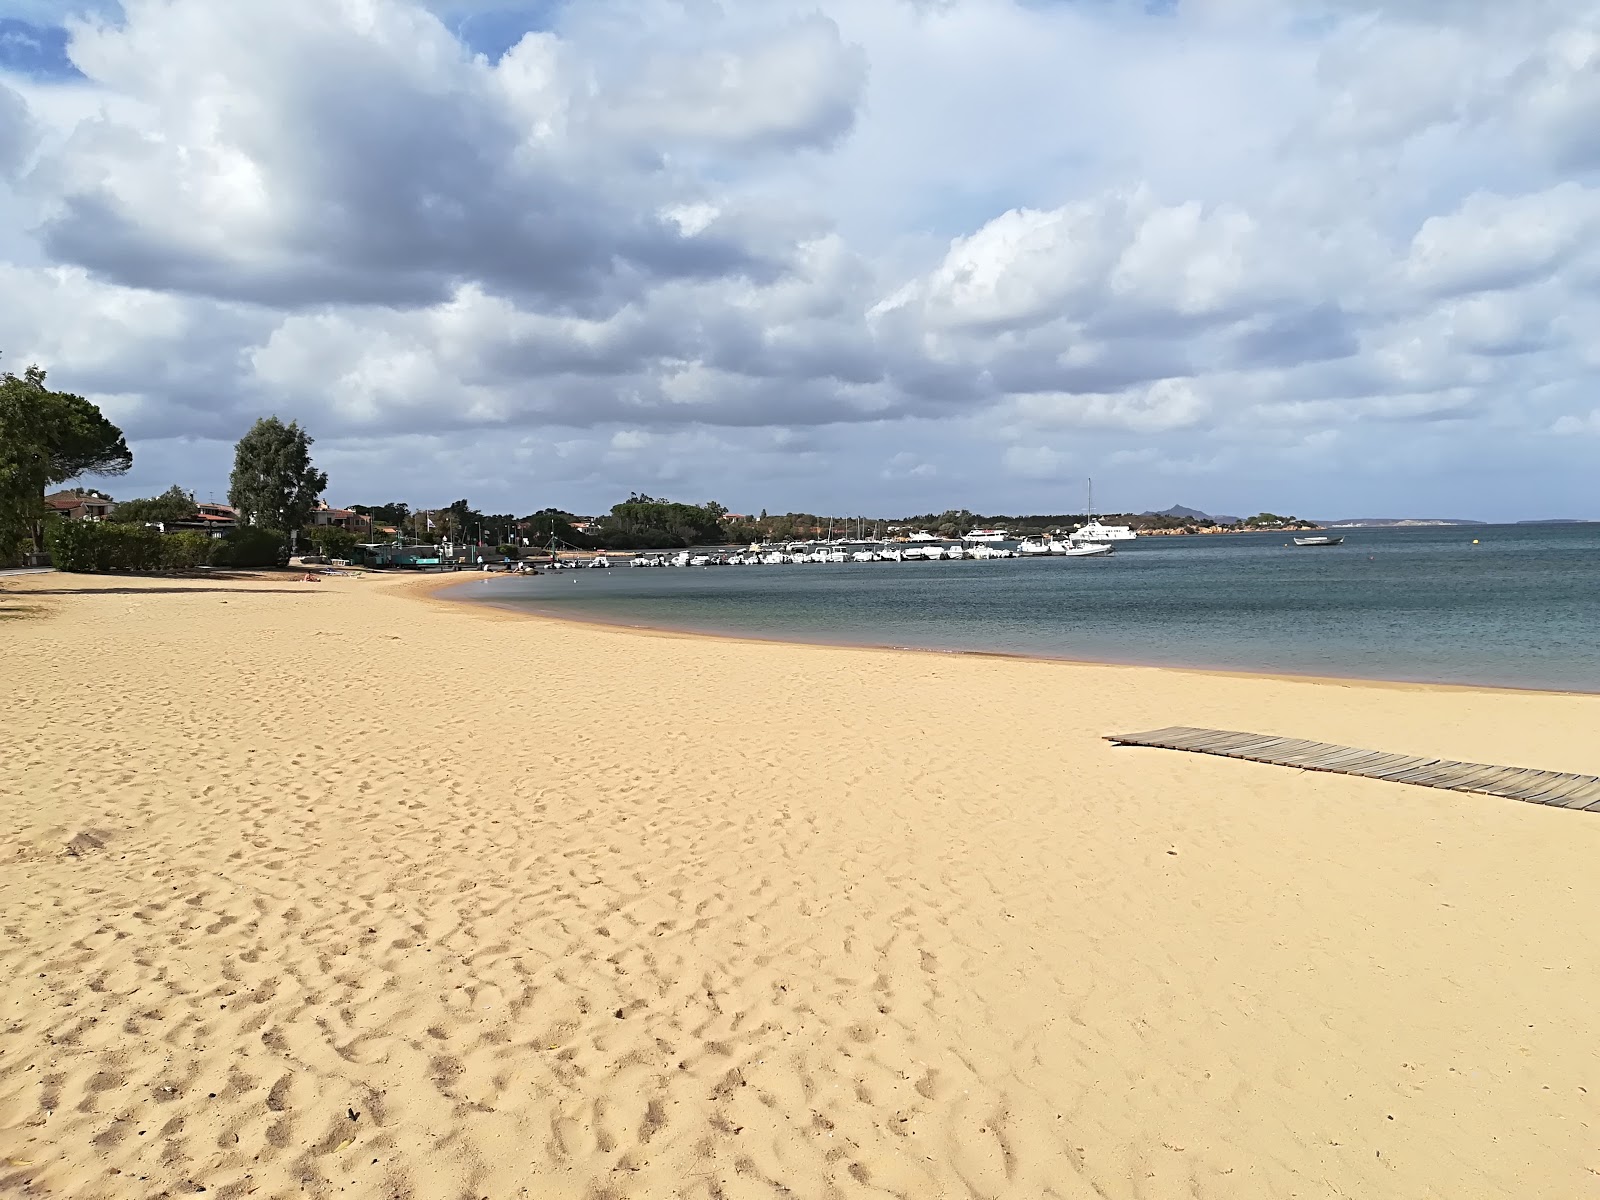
(37, 51)
(491, 32)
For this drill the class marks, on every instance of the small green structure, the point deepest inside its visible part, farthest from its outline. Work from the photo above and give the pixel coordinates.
(417, 556)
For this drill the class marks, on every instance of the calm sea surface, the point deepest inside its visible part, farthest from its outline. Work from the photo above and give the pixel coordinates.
(1521, 607)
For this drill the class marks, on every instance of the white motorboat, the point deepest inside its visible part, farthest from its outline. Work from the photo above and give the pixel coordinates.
(1087, 550)
(835, 556)
(863, 556)
(923, 536)
(954, 552)
(891, 554)
(700, 560)
(1033, 548)
(640, 561)
(1320, 540)
(1060, 546)
(599, 560)
(681, 559)
(774, 558)
(987, 536)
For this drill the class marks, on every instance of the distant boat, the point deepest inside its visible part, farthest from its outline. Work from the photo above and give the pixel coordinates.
(1087, 550)
(1321, 540)
(1093, 531)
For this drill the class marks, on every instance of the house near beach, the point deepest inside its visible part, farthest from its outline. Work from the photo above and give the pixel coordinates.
(80, 504)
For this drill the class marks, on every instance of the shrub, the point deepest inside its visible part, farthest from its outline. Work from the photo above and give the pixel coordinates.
(186, 550)
(331, 541)
(252, 546)
(85, 546)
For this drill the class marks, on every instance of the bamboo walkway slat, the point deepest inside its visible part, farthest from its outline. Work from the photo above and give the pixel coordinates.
(1558, 789)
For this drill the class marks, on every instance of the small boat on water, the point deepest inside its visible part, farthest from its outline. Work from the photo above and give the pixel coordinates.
(1321, 540)
(1086, 550)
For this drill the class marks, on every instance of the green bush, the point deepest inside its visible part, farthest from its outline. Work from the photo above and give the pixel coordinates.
(186, 550)
(330, 540)
(252, 546)
(94, 546)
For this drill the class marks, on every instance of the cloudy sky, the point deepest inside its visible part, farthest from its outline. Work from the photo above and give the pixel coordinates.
(1335, 257)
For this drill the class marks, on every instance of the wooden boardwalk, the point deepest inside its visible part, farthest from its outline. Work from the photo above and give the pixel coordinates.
(1555, 788)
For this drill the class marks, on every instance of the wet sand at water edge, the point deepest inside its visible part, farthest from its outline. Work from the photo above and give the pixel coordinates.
(335, 890)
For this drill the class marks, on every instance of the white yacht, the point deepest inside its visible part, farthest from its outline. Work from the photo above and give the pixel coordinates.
(923, 535)
(954, 552)
(987, 536)
(891, 554)
(1087, 550)
(863, 556)
(599, 560)
(1033, 547)
(1093, 531)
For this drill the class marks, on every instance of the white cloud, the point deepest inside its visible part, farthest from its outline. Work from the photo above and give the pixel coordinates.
(1495, 241)
(1579, 424)
(1034, 462)
(823, 247)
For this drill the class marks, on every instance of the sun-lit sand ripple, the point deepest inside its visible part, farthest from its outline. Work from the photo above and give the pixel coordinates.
(322, 890)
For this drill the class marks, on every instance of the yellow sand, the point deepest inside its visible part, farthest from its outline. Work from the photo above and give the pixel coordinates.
(325, 890)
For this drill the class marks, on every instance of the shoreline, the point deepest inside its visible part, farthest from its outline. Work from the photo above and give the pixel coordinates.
(647, 630)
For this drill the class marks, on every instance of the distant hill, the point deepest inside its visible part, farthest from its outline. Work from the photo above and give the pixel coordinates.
(1192, 514)
(1385, 522)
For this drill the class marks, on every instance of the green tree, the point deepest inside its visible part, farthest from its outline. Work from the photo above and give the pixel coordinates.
(395, 513)
(47, 437)
(549, 523)
(81, 440)
(24, 463)
(174, 504)
(331, 541)
(274, 484)
(644, 521)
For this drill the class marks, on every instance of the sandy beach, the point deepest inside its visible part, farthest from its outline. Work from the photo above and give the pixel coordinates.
(339, 890)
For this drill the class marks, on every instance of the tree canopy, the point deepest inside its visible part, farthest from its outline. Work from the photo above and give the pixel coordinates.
(174, 504)
(643, 521)
(274, 483)
(47, 437)
(81, 440)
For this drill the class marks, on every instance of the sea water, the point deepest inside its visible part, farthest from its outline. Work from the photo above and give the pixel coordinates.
(1514, 606)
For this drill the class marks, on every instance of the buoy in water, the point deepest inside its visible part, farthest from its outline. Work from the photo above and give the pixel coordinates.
(1474, 541)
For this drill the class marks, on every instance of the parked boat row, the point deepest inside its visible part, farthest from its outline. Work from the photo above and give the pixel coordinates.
(801, 553)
